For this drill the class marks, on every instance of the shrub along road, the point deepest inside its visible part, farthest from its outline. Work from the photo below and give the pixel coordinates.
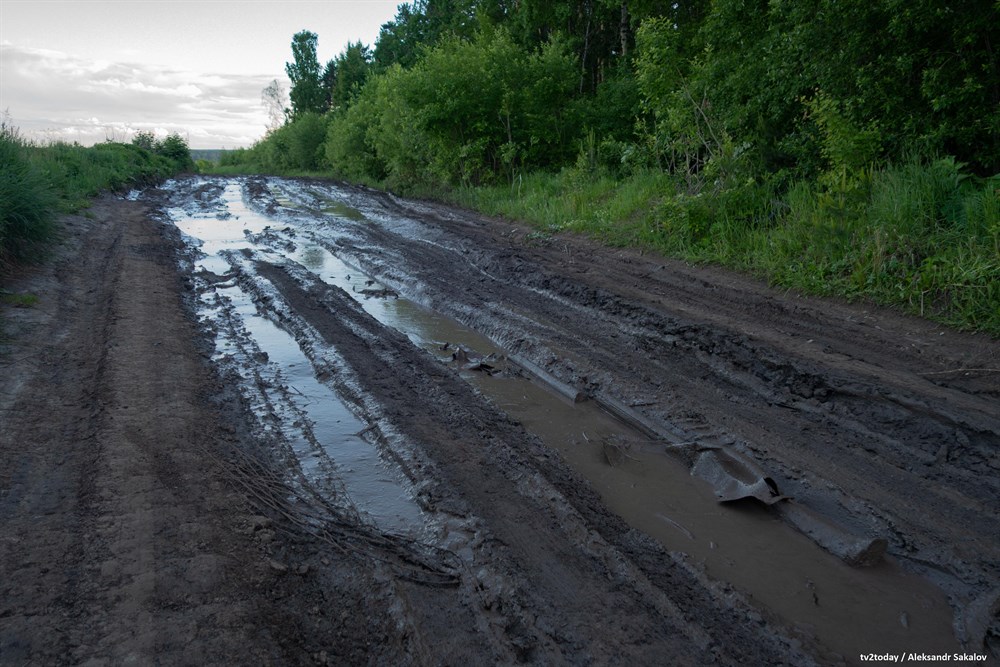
(145, 514)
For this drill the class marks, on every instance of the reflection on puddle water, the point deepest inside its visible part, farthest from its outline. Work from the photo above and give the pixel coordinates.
(851, 610)
(327, 441)
(343, 210)
(322, 432)
(223, 231)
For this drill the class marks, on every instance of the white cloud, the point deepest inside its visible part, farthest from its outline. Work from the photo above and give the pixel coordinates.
(56, 96)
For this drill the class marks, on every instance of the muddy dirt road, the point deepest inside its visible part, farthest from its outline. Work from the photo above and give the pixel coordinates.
(272, 421)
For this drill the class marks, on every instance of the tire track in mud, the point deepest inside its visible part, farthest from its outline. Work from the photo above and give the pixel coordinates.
(836, 402)
(823, 423)
(110, 553)
(47, 485)
(546, 555)
(881, 439)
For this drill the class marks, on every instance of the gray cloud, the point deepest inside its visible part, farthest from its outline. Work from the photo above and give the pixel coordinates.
(56, 96)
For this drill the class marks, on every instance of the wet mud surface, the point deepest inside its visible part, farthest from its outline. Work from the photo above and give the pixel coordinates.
(287, 421)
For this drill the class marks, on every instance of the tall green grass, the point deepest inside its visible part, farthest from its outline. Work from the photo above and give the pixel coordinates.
(78, 173)
(27, 200)
(922, 236)
(619, 212)
(37, 182)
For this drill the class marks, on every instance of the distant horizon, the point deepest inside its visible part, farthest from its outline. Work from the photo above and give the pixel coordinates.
(87, 71)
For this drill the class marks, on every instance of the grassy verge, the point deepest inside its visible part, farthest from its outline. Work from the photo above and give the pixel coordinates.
(38, 182)
(76, 173)
(27, 201)
(924, 237)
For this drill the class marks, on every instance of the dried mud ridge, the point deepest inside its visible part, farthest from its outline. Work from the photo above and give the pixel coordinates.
(153, 505)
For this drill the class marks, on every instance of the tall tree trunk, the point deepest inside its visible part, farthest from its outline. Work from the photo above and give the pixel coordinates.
(586, 47)
(625, 30)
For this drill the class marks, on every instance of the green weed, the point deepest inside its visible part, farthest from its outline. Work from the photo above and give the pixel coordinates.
(23, 300)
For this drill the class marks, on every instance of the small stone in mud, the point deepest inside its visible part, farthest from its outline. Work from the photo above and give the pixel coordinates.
(260, 522)
(302, 569)
(277, 566)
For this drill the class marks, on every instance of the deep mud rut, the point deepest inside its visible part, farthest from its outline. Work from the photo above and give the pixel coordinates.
(268, 421)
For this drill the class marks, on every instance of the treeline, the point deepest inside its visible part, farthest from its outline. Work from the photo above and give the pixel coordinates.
(841, 146)
(39, 181)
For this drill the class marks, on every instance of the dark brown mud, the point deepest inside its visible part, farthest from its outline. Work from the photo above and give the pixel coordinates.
(193, 441)
(884, 424)
(132, 527)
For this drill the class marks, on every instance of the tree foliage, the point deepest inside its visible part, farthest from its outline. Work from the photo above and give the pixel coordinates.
(274, 99)
(306, 94)
(345, 74)
(501, 110)
(716, 92)
(174, 147)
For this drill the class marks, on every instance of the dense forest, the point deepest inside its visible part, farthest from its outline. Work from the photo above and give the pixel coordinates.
(839, 146)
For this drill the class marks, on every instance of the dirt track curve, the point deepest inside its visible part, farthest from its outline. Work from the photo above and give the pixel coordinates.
(245, 424)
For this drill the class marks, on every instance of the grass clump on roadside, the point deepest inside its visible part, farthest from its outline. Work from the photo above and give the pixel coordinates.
(39, 181)
(27, 200)
(79, 173)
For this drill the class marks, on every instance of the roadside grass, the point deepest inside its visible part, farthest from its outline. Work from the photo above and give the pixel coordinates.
(618, 212)
(37, 182)
(78, 173)
(923, 236)
(27, 201)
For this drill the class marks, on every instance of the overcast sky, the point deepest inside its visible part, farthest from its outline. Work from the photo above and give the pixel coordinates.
(87, 71)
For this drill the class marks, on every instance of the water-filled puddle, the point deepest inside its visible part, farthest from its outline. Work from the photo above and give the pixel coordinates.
(327, 441)
(342, 210)
(323, 433)
(851, 610)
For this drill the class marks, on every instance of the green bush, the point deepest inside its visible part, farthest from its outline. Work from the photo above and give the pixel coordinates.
(305, 142)
(502, 110)
(175, 148)
(349, 151)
